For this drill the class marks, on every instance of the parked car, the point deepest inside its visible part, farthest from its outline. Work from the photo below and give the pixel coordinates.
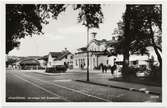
(143, 73)
(57, 68)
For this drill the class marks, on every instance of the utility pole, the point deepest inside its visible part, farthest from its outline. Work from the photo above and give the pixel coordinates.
(87, 54)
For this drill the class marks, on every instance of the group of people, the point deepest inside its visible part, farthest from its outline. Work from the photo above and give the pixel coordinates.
(111, 66)
(105, 68)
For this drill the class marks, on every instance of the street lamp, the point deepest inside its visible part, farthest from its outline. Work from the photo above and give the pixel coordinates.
(85, 22)
(94, 34)
(87, 54)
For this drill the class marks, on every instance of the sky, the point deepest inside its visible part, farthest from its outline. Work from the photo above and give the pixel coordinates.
(66, 32)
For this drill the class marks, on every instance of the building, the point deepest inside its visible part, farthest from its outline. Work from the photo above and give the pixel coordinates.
(42, 62)
(60, 58)
(102, 52)
(97, 54)
(29, 64)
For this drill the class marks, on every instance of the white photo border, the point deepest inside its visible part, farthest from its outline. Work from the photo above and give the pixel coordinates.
(91, 104)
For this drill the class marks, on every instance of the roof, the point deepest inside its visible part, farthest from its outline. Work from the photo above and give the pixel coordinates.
(99, 52)
(112, 42)
(94, 52)
(82, 49)
(99, 42)
(29, 62)
(63, 56)
(45, 57)
(59, 55)
(56, 54)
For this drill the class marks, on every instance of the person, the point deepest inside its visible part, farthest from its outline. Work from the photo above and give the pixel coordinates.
(102, 67)
(113, 68)
(81, 66)
(105, 68)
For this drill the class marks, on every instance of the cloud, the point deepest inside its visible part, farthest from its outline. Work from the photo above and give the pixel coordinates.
(51, 36)
(77, 29)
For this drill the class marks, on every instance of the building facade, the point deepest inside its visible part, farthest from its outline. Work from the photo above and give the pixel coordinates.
(100, 52)
(97, 55)
(60, 58)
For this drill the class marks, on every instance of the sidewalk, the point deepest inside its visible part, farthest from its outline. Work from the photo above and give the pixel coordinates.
(124, 85)
(84, 70)
(102, 79)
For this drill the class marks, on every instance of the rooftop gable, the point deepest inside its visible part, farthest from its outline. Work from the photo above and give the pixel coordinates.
(59, 55)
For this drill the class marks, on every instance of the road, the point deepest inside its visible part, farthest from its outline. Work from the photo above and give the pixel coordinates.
(23, 86)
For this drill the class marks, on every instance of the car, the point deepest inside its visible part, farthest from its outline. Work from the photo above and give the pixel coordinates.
(142, 73)
(58, 67)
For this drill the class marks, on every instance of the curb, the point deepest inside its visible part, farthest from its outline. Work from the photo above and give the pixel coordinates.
(124, 88)
(135, 82)
(48, 74)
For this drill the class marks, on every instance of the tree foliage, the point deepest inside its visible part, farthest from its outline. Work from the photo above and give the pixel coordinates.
(27, 19)
(144, 20)
(142, 28)
(21, 20)
(89, 15)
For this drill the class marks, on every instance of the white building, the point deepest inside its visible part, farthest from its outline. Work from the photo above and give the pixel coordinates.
(60, 58)
(98, 55)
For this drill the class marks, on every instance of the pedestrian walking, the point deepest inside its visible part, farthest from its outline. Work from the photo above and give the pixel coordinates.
(113, 68)
(105, 68)
(102, 67)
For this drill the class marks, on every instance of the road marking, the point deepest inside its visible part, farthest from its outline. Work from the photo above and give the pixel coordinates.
(48, 91)
(120, 95)
(77, 91)
(74, 90)
(63, 80)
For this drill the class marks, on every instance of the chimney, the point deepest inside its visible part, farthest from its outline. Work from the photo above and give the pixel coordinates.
(113, 38)
(65, 50)
(94, 35)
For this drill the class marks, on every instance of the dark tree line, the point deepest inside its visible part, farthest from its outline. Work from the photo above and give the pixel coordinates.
(141, 23)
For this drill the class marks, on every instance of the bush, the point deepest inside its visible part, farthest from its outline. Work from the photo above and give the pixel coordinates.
(130, 72)
(57, 69)
(61, 68)
(156, 73)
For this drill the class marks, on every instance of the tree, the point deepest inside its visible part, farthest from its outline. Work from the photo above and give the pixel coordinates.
(119, 33)
(27, 19)
(142, 22)
(21, 20)
(10, 61)
(90, 15)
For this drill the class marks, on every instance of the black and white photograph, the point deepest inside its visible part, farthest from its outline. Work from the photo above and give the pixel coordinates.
(83, 52)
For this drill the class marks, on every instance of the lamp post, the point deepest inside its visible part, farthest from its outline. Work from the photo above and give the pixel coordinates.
(87, 54)
(94, 34)
(85, 22)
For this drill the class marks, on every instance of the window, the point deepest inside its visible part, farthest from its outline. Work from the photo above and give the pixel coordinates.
(107, 61)
(76, 62)
(93, 61)
(66, 57)
(135, 62)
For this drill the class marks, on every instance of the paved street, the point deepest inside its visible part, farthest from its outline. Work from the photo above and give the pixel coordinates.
(31, 86)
